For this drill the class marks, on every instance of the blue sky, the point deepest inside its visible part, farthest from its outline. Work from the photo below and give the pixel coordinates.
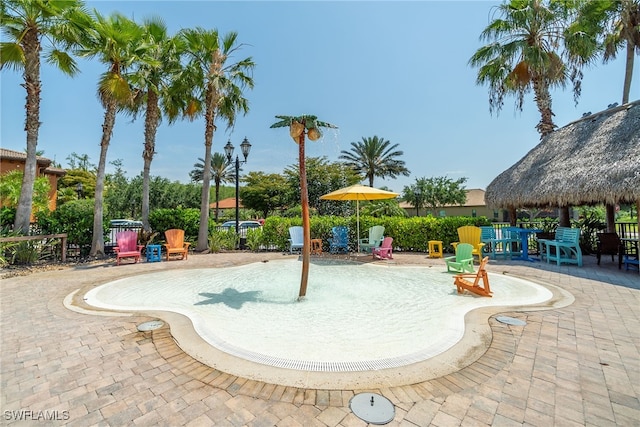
(397, 70)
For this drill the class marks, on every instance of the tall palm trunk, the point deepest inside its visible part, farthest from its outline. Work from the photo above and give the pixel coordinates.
(306, 225)
(203, 230)
(543, 101)
(217, 181)
(152, 118)
(97, 243)
(31, 47)
(628, 73)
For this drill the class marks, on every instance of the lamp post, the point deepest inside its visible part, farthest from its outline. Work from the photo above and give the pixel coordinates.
(79, 190)
(245, 147)
(417, 198)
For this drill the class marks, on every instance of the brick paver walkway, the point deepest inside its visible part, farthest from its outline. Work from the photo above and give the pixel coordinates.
(574, 366)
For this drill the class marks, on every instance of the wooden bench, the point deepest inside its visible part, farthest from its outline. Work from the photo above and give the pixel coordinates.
(63, 236)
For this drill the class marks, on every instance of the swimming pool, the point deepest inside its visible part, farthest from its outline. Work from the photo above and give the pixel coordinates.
(356, 317)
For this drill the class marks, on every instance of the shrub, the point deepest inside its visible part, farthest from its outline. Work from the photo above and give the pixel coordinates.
(222, 240)
(74, 218)
(185, 219)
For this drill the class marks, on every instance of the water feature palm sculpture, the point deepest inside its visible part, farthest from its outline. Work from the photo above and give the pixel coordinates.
(299, 126)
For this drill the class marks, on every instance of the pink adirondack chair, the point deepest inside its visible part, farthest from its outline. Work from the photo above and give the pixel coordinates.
(128, 246)
(384, 251)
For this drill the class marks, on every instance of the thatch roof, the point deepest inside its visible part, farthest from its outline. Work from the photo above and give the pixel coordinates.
(593, 160)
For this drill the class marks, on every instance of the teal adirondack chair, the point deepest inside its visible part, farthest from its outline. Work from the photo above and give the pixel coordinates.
(566, 245)
(296, 240)
(463, 260)
(376, 234)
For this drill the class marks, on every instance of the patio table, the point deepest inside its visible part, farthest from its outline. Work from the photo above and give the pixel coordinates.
(524, 241)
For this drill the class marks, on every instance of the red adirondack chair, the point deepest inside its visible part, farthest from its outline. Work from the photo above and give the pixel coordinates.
(385, 250)
(128, 246)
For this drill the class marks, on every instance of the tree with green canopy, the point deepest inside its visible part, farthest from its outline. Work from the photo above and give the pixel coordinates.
(603, 28)
(157, 66)
(375, 157)
(11, 184)
(525, 54)
(299, 127)
(31, 27)
(436, 192)
(215, 86)
(113, 40)
(264, 192)
(221, 172)
(323, 177)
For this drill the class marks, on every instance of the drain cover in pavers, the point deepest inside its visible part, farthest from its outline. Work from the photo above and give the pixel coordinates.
(372, 408)
(150, 325)
(511, 321)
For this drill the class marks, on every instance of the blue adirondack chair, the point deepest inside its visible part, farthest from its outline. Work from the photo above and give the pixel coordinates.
(487, 236)
(296, 240)
(340, 240)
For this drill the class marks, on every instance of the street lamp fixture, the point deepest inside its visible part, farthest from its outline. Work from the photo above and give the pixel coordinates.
(245, 147)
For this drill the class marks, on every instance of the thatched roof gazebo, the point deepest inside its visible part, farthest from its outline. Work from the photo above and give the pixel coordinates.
(592, 160)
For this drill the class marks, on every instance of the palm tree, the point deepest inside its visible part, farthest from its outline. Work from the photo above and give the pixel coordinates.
(603, 28)
(299, 127)
(523, 55)
(216, 89)
(159, 63)
(112, 40)
(375, 157)
(27, 24)
(221, 171)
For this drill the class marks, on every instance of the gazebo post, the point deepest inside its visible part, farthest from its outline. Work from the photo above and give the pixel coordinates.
(610, 218)
(638, 214)
(564, 220)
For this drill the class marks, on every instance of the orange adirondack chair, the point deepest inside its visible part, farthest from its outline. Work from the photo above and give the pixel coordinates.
(385, 250)
(128, 246)
(462, 283)
(472, 235)
(175, 243)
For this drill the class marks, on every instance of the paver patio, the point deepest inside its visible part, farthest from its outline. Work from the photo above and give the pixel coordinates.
(573, 366)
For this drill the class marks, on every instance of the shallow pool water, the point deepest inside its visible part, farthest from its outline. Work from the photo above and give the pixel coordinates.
(355, 316)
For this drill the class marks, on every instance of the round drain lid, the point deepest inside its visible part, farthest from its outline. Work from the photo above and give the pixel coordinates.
(150, 326)
(372, 408)
(511, 321)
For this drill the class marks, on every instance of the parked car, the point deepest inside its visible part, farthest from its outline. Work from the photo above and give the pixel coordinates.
(243, 225)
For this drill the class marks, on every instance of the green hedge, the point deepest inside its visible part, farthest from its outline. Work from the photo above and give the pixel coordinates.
(409, 234)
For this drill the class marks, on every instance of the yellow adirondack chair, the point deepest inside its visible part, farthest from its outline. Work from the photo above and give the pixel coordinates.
(472, 235)
(175, 243)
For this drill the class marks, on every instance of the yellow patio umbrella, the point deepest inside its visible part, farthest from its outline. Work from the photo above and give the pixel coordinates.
(359, 192)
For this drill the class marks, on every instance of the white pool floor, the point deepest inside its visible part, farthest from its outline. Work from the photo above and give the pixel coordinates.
(355, 317)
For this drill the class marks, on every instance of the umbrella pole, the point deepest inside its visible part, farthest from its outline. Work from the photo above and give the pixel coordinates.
(358, 225)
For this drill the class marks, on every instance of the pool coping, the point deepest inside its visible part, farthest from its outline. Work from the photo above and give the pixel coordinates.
(474, 343)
